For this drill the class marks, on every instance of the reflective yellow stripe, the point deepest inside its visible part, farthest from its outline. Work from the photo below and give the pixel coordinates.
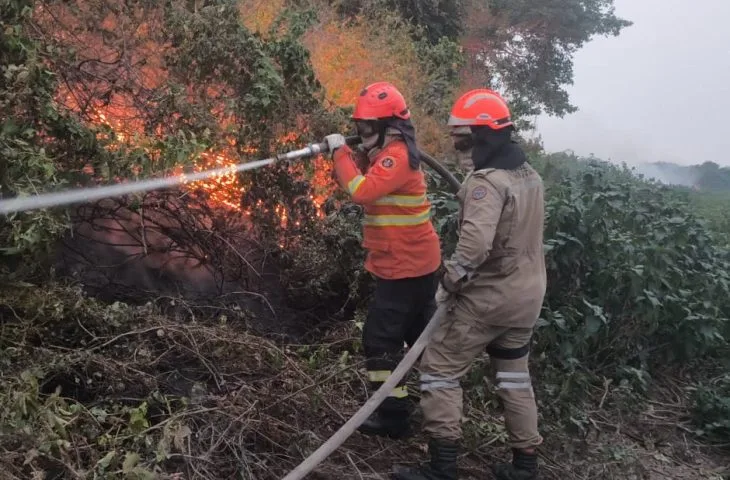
(354, 184)
(378, 375)
(402, 200)
(397, 220)
(399, 392)
(382, 376)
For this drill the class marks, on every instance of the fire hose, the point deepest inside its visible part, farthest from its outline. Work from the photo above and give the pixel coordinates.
(20, 204)
(339, 437)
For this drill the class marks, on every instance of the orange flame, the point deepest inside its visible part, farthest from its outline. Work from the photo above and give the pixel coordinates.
(102, 96)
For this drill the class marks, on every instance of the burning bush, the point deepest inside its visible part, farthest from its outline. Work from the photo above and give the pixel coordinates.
(152, 88)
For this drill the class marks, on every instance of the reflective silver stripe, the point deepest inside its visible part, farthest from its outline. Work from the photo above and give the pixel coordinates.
(513, 386)
(513, 375)
(480, 96)
(439, 385)
(431, 382)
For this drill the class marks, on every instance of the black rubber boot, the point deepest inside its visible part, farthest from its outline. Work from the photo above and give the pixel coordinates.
(523, 467)
(386, 424)
(442, 465)
(391, 419)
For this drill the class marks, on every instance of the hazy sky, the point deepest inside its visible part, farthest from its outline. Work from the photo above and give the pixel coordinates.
(658, 91)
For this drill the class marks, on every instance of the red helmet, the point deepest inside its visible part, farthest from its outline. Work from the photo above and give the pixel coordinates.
(380, 100)
(481, 107)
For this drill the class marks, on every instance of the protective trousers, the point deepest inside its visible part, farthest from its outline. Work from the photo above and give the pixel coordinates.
(447, 358)
(399, 313)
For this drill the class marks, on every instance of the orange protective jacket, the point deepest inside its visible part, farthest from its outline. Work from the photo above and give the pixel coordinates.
(397, 230)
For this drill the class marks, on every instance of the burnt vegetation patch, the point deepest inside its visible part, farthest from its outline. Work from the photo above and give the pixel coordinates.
(192, 260)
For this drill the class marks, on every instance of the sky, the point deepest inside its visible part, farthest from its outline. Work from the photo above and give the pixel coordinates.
(660, 91)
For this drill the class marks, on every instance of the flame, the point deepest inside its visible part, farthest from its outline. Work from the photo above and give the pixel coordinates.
(117, 87)
(224, 190)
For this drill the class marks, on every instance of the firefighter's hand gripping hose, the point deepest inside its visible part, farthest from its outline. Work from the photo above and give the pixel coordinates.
(336, 440)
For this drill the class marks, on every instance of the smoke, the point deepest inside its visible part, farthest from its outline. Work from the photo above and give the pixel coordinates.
(667, 173)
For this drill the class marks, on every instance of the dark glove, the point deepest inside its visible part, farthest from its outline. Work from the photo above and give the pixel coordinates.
(449, 285)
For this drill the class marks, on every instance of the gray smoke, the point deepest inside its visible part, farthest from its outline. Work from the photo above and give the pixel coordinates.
(666, 173)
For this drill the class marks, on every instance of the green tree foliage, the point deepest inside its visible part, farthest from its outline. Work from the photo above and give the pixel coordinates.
(707, 186)
(526, 47)
(267, 84)
(212, 68)
(37, 142)
(437, 18)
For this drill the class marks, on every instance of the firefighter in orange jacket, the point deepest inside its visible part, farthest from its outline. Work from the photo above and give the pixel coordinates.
(403, 250)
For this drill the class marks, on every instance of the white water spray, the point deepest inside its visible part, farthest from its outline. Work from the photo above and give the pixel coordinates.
(20, 204)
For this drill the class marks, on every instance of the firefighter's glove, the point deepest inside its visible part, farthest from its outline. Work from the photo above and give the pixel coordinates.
(449, 285)
(335, 141)
(442, 295)
(453, 277)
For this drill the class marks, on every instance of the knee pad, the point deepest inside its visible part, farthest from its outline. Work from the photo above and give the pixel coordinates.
(508, 353)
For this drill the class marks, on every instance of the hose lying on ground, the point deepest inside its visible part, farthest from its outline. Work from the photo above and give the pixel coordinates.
(336, 440)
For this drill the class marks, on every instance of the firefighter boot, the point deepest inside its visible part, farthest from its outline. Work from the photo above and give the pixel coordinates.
(523, 467)
(442, 465)
(386, 424)
(391, 419)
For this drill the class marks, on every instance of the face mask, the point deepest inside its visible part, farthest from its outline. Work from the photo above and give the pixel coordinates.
(487, 145)
(463, 143)
(465, 161)
(368, 131)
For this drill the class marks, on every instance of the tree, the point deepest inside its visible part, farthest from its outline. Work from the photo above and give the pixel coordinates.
(437, 18)
(525, 47)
